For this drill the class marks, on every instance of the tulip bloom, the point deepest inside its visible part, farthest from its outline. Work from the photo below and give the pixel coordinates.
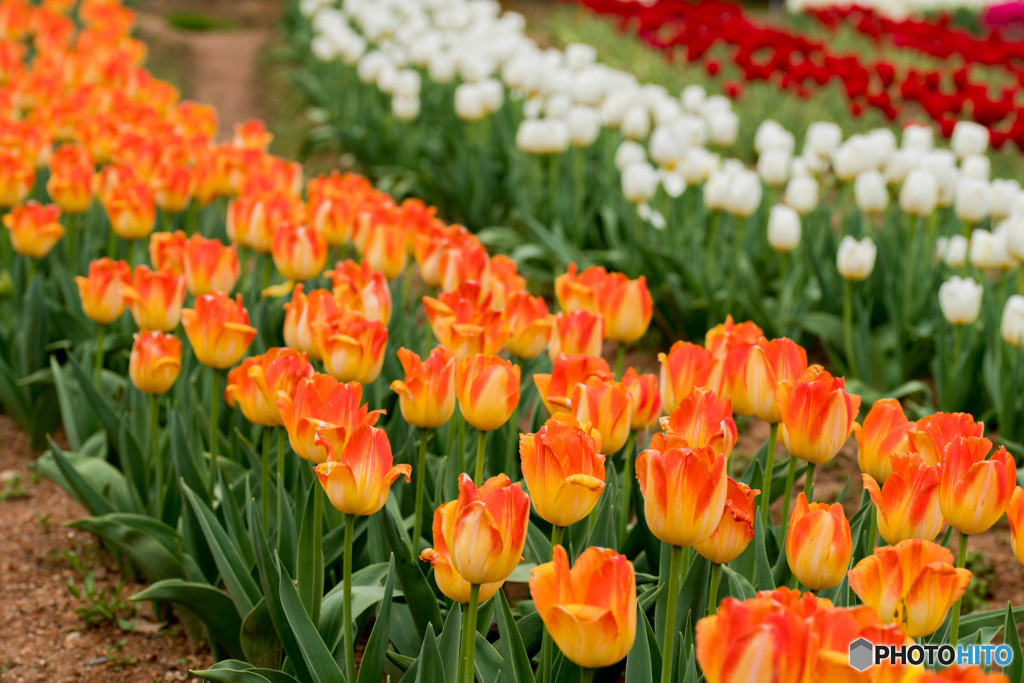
(487, 388)
(427, 396)
(448, 580)
(102, 292)
(817, 415)
(209, 266)
(352, 348)
(464, 321)
(769, 363)
(155, 299)
(608, 406)
(730, 345)
(529, 325)
(172, 185)
(218, 329)
(908, 501)
(579, 332)
(589, 610)
(383, 247)
(359, 470)
(818, 543)
(684, 493)
(931, 435)
(463, 262)
(736, 529)
(974, 491)
(646, 399)
(167, 251)
(624, 305)
(253, 385)
(685, 367)
(484, 529)
(304, 314)
(17, 176)
(155, 361)
(703, 420)
(1015, 516)
(555, 389)
(884, 433)
(34, 229)
(318, 402)
(563, 469)
(360, 288)
(131, 207)
(70, 182)
(299, 252)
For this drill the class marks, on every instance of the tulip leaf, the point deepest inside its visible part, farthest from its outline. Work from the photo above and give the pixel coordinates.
(451, 641)
(602, 533)
(640, 662)
(310, 566)
(1012, 638)
(531, 629)
(428, 666)
(149, 543)
(763, 570)
(321, 665)
(258, 639)
(513, 651)
(234, 671)
(538, 547)
(211, 605)
(740, 588)
(372, 667)
(72, 473)
(70, 416)
(418, 594)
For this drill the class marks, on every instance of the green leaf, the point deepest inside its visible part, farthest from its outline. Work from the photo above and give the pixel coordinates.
(310, 567)
(371, 669)
(211, 605)
(640, 662)
(150, 544)
(765, 580)
(451, 641)
(418, 594)
(429, 667)
(603, 534)
(513, 652)
(70, 415)
(93, 482)
(318, 659)
(1012, 638)
(739, 587)
(258, 639)
(234, 671)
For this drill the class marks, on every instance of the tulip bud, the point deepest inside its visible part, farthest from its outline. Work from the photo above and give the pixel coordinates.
(131, 208)
(1012, 327)
(723, 128)
(817, 415)
(33, 228)
(360, 288)
(320, 401)
(584, 126)
(823, 137)
(639, 182)
(684, 493)
(1004, 193)
(382, 246)
(1015, 516)
(529, 324)
(427, 396)
(969, 138)
(606, 405)
(783, 228)
(703, 420)
(884, 433)
(686, 367)
(209, 266)
(960, 300)
(102, 292)
(167, 251)
(359, 471)
(155, 362)
(351, 347)
(773, 167)
(916, 136)
(769, 363)
(218, 329)
(870, 192)
(731, 344)
(973, 199)
(856, 258)
(744, 194)
(17, 176)
(155, 299)
(299, 252)
(952, 250)
(818, 543)
(253, 385)
(736, 530)
(802, 194)
(578, 332)
(448, 580)
(974, 491)
(908, 501)
(487, 388)
(919, 195)
(646, 399)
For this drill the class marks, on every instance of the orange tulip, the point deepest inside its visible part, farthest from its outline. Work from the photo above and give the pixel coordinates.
(908, 501)
(319, 402)
(17, 176)
(484, 529)
(429, 246)
(210, 266)
(383, 247)
(626, 306)
(579, 332)
(832, 632)
(769, 363)
(252, 219)
(504, 281)
(703, 420)
(684, 493)
(606, 405)
(360, 288)
(529, 325)
(304, 314)
(131, 208)
(155, 361)
(463, 321)
(817, 415)
(730, 345)
(464, 262)
(1015, 516)
(218, 329)
(960, 674)
(912, 584)
(448, 580)
(488, 390)
(589, 610)
(167, 251)
(646, 399)
(930, 435)
(736, 529)
(252, 134)
(102, 293)
(685, 367)
(352, 348)
(155, 298)
(818, 543)
(563, 469)
(973, 491)
(34, 229)
(359, 470)
(253, 385)
(172, 185)
(427, 396)
(884, 433)
(299, 252)
(555, 389)
(70, 182)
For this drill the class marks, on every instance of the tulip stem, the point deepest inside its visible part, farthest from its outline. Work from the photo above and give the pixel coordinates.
(627, 458)
(851, 352)
(620, 357)
(280, 479)
(675, 569)
(511, 468)
(316, 591)
(586, 675)
(350, 652)
(154, 429)
(214, 407)
(481, 447)
(421, 485)
(469, 628)
(809, 481)
(788, 493)
(873, 538)
(265, 473)
(766, 486)
(557, 533)
(716, 577)
(460, 446)
(98, 360)
(961, 562)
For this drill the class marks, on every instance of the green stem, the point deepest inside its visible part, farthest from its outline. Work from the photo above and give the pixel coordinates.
(620, 356)
(553, 187)
(873, 536)
(112, 244)
(214, 408)
(280, 475)
(766, 492)
(512, 468)
(350, 652)
(460, 447)
(674, 572)
(961, 561)
(809, 481)
(586, 675)
(131, 252)
(547, 646)
(470, 629)
(98, 360)
(788, 493)
(316, 591)
(154, 430)
(716, 577)
(481, 446)
(421, 485)
(851, 352)
(265, 474)
(72, 224)
(627, 485)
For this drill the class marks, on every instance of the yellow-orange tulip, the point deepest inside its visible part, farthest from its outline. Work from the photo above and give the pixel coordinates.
(351, 347)
(383, 247)
(646, 399)
(529, 325)
(606, 405)
(1015, 516)
(912, 584)
(155, 298)
(973, 491)
(883, 434)
(70, 182)
(359, 470)
(908, 501)
(299, 251)
(304, 314)
(448, 580)
(832, 632)
(488, 390)
(210, 266)
(360, 288)
(625, 305)
(322, 401)
(172, 185)
(167, 251)
(102, 292)
(563, 469)
(684, 493)
(736, 529)
(464, 321)
(579, 332)
(155, 361)
(818, 543)
(589, 610)
(703, 420)
(577, 291)
(730, 344)
(17, 175)
(960, 674)
(685, 367)
(817, 415)
(218, 329)
(252, 218)
(131, 208)
(33, 228)
(252, 134)
(484, 529)
(504, 280)
(555, 389)
(464, 262)
(769, 363)
(427, 395)
(930, 435)
(253, 384)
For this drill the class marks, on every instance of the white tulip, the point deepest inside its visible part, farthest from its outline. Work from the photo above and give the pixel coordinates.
(870, 192)
(1004, 193)
(629, 152)
(1001, 247)
(823, 137)
(639, 182)
(697, 164)
(666, 110)
(370, 66)
(881, 145)
(901, 163)
(942, 164)
(554, 80)
(672, 181)
(802, 194)
(783, 228)
(664, 146)
(745, 193)
(960, 300)
(856, 258)
(475, 67)
(716, 190)
(614, 107)
(469, 102)
(441, 68)
(584, 125)
(407, 84)
(324, 48)
(773, 167)
(690, 130)
(918, 137)
(973, 200)
(713, 105)
(723, 128)
(976, 166)
(849, 159)
(636, 124)
(771, 135)
(542, 136)
(492, 94)
(982, 252)
(557, 105)
(693, 97)
(579, 56)
(405, 108)
(1012, 327)
(920, 193)
(952, 250)
(969, 138)
(1014, 230)
(588, 86)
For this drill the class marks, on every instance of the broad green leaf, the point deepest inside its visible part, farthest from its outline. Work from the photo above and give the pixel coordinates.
(451, 641)
(513, 652)
(94, 482)
(1012, 638)
(418, 594)
(233, 671)
(640, 662)
(211, 605)
(319, 662)
(150, 544)
(372, 666)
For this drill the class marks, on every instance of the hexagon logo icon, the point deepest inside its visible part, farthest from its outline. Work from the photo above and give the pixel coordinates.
(860, 654)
